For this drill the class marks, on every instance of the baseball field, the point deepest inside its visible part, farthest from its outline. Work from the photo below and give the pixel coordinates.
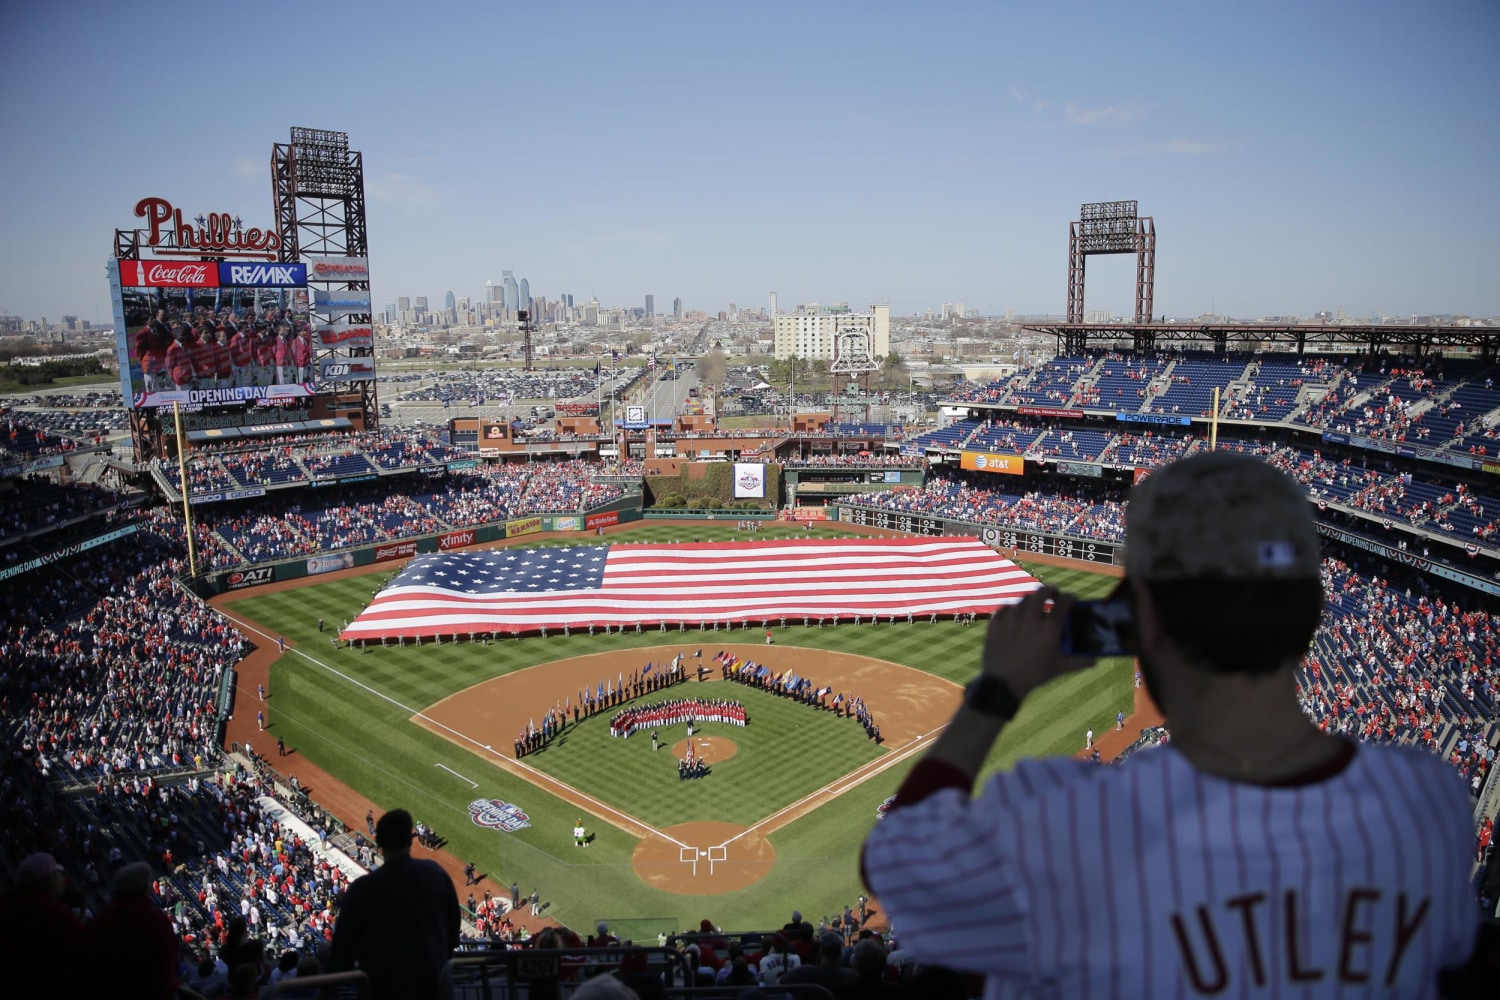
(777, 822)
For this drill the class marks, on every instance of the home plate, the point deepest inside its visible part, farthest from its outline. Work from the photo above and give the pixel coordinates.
(702, 854)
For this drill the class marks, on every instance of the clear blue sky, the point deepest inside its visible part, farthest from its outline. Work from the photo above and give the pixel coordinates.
(1296, 156)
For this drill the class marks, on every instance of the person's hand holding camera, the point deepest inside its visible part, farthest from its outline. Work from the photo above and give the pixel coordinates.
(1022, 646)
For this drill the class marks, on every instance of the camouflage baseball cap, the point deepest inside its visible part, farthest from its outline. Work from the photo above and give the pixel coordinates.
(1220, 515)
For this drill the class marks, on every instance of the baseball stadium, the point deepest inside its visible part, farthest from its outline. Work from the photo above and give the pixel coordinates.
(645, 675)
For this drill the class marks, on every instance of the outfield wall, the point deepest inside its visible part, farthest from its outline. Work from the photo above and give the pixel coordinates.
(1089, 550)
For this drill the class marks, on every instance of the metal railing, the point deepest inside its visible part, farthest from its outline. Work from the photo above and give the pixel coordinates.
(534, 973)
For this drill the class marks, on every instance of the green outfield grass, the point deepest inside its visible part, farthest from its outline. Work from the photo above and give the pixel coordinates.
(350, 712)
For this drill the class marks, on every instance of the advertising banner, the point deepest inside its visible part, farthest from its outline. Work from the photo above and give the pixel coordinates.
(182, 336)
(567, 522)
(1492, 468)
(260, 395)
(337, 268)
(67, 553)
(1093, 469)
(985, 461)
(346, 369)
(344, 335)
(242, 578)
(523, 526)
(400, 550)
(336, 303)
(1048, 411)
(329, 563)
(749, 480)
(601, 520)
(1425, 452)
(577, 409)
(35, 465)
(455, 539)
(1165, 419)
(493, 430)
(461, 466)
(243, 275)
(1408, 558)
(221, 497)
(635, 416)
(1140, 476)
(168, 274)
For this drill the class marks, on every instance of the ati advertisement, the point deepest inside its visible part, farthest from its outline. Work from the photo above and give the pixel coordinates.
(240, 579)
(201, 334)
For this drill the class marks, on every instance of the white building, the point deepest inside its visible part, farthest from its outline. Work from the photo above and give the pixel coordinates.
(810, 334)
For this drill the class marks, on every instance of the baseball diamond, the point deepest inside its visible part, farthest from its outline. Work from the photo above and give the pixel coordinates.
(780, 817)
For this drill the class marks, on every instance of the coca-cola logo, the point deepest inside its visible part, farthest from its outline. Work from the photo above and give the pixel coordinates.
(215, 232)
(177, 274)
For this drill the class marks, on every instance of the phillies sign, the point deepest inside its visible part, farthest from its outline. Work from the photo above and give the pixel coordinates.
(168, 274)
(217, 232)
(263, 275)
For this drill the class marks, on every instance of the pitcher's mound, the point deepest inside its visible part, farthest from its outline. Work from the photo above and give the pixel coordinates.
(711, 748)
(703, 861)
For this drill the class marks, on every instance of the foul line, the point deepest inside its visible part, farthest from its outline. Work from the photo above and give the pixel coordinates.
(855, 778)
(538, 778)
(445, 767)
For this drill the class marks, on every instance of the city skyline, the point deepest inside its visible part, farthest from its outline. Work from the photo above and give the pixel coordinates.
(1294, 160)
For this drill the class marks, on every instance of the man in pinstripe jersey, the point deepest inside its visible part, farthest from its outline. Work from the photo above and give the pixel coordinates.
(1253, 855)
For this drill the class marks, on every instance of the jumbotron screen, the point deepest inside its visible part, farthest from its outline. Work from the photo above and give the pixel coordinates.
(203, 333)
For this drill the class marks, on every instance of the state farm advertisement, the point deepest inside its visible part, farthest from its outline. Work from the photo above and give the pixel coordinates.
(344, 335)
(601, 520)
(455, 540)
(337, 268)
(401, 550)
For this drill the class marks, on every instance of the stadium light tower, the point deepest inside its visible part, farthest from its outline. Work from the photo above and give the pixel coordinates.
(1112, 227)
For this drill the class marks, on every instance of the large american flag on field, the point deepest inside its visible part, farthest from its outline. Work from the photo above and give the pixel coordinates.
(522, 590)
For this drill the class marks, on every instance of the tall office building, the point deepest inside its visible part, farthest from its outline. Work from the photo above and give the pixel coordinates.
(494, 294)
(403, 304)
(773, 305)
(421, 304)
(512, 290)
(810, 335)
(650, 306)
(677, 309)
(450, 301)
(524, 302)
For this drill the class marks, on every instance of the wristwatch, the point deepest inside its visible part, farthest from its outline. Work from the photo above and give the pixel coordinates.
(989, 695)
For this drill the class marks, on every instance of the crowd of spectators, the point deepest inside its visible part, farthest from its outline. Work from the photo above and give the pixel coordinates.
(1393, 664)
(23, 437)
(968, 497)
(31, 503)
(270, 528)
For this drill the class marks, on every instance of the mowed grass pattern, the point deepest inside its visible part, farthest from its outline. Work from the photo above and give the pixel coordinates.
(350, 712)
(775, 745)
